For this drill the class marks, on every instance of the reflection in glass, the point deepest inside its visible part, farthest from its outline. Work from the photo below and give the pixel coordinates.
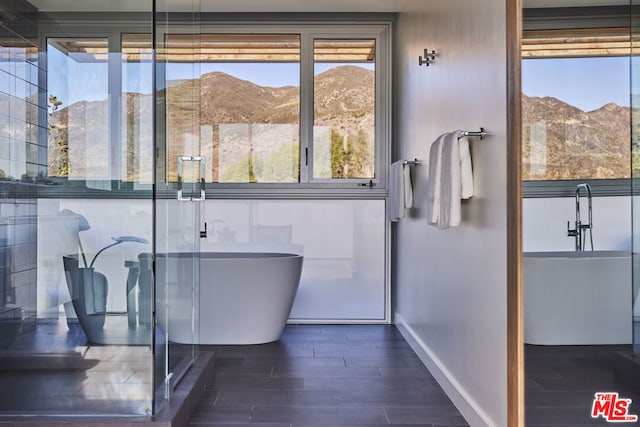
(344, 109)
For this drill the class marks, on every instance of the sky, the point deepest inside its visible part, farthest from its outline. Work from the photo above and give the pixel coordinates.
(586, 83)
(72, 81)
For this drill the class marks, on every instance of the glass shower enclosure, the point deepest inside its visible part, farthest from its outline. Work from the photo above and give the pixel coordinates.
(90, 209)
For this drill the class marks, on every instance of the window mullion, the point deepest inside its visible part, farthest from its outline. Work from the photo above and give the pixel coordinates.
(114, 61)
(306, 107)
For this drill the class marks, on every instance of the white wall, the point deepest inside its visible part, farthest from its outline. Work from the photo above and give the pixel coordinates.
(450, 285)
(544, 223)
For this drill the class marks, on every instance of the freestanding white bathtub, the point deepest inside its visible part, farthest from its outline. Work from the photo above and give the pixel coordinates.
(244, 297)
(573, 298)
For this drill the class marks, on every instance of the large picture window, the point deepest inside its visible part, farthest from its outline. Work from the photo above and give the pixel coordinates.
(576, 124)
(279, 105)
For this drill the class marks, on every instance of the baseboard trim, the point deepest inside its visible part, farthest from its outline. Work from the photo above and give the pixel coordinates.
(468, 407)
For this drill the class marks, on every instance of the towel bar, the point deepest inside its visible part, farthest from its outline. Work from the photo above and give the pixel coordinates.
(482, 133)
(411, 162)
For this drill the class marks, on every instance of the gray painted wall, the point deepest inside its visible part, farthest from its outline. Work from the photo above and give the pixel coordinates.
(450, 285)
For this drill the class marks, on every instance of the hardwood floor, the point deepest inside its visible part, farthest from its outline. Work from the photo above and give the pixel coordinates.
(324, 375)
(561, 382)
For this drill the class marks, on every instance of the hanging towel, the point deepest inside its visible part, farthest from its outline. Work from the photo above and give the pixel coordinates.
(408, 187)
(450, 180)
(433, 182)
(466, 169)
(400, 190)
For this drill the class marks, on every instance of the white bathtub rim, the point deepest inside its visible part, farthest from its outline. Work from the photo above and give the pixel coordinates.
(579, 254)
(231, 255)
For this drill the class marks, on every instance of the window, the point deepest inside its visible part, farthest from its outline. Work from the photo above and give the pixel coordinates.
(280, 105)
(344, 109)
(78, 87)
(575, 107)
(100, 121)
(284, 105)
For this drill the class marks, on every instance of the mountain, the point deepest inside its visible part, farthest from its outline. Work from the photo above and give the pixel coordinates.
(561, 141)
(340, 91)
(344, 101)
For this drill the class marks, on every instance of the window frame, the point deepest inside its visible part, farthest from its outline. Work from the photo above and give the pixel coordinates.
(372, 27)
(378, 102)
(378, 31)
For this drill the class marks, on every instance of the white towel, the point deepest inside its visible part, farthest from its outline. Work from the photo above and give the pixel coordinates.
(400, 190)
(466, 169)
(433, 182)
(450, 180)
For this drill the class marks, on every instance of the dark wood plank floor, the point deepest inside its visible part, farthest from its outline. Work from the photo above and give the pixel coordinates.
(324, 375)
(561, 382)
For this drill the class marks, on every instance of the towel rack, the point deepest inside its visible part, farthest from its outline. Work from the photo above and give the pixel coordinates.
(482, 133)
(411, 162)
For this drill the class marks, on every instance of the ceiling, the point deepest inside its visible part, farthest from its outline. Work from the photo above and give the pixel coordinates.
(277, 5)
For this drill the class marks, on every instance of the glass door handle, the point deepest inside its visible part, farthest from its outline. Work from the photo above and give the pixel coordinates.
(182, 159)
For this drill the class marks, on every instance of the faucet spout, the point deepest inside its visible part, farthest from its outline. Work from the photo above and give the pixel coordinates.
(581, 228)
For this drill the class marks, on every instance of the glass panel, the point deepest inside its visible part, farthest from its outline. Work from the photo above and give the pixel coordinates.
(177, 222)
(242, 106)
(344, 109)
(75, 294)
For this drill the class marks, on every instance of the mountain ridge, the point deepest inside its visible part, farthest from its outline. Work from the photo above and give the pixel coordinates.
(560, 141)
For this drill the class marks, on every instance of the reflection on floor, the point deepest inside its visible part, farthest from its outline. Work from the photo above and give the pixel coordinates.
(53, 370)
(334, 375)
(561, 382)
